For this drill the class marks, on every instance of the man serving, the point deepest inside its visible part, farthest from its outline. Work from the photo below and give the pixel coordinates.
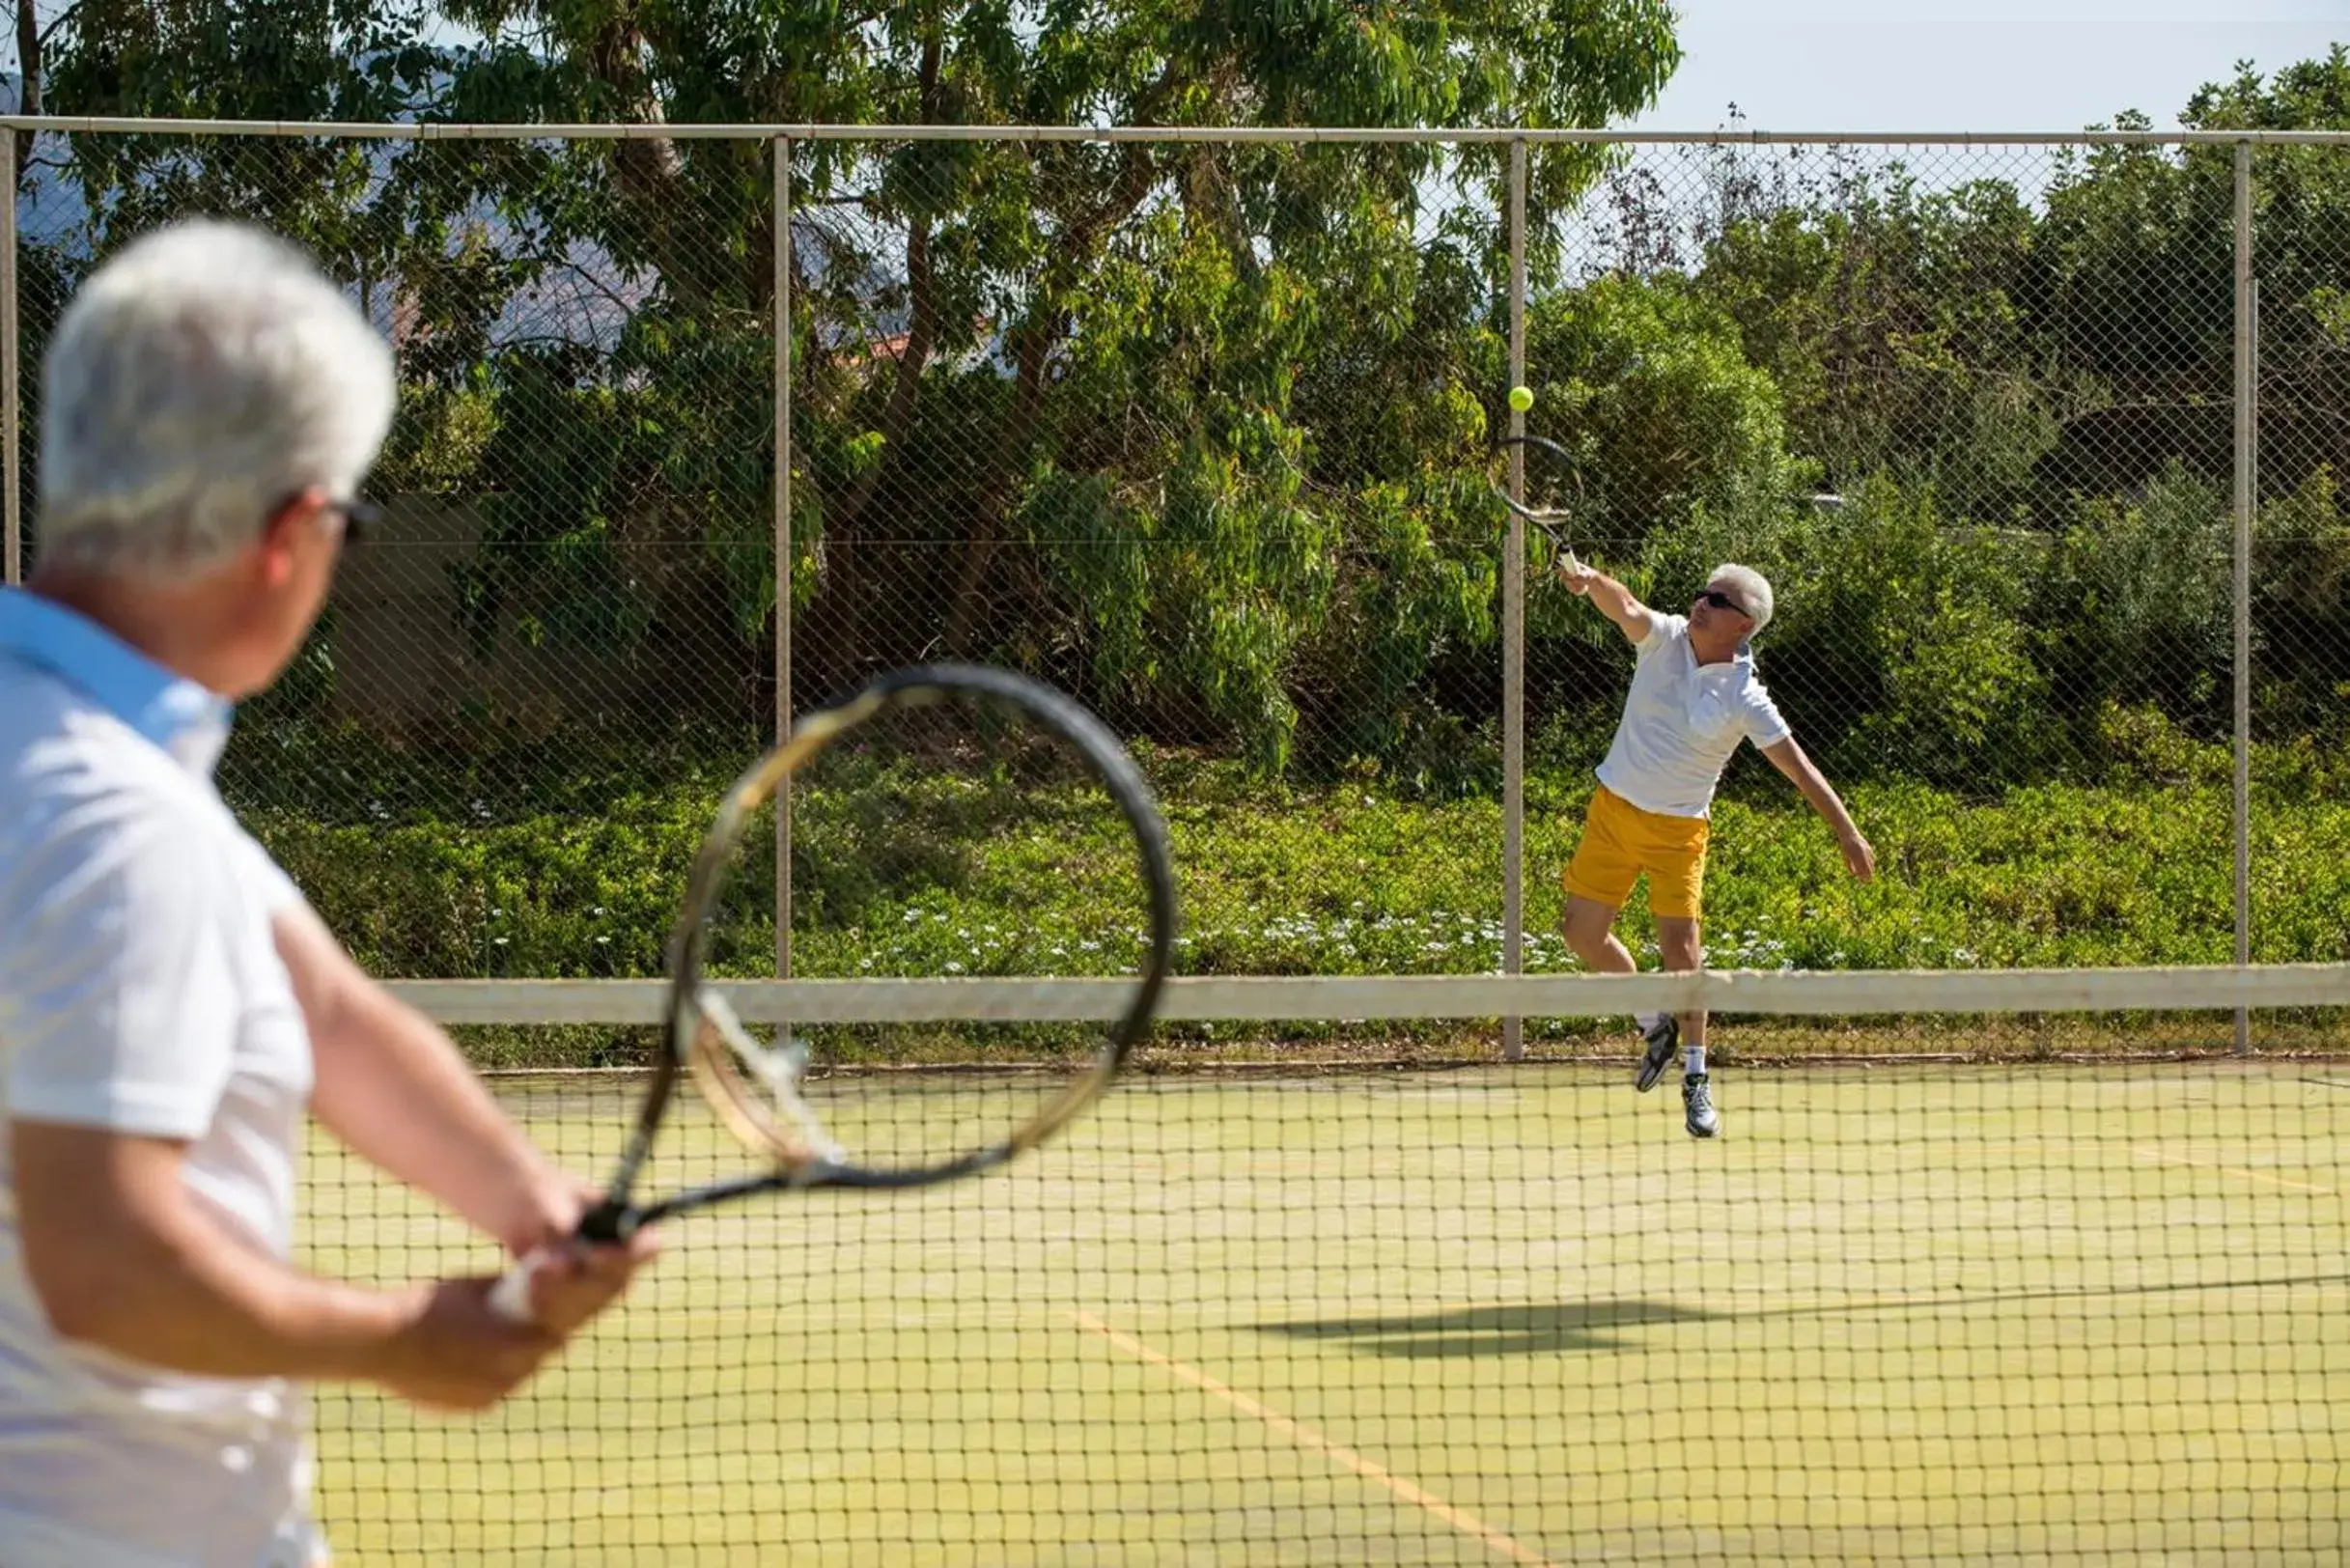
(1695, 696)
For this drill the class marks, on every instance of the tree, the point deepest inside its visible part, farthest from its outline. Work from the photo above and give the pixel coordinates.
(948, 401)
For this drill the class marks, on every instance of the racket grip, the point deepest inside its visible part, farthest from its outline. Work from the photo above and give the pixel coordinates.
(509, 1298)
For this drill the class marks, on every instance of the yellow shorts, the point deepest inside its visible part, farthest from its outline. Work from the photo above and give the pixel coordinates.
(1620, 841)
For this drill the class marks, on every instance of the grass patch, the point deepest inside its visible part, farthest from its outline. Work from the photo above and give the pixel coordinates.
(1337, 879)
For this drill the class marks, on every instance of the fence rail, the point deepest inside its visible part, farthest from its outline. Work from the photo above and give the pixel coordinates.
(425, 130)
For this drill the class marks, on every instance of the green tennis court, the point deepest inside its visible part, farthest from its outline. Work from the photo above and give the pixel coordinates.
(1491, 1315)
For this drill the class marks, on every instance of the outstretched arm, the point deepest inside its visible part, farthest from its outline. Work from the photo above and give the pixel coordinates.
(1788, 757)
(1614, 600)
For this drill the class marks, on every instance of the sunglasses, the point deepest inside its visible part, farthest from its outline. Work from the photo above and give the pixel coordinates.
(1720, 601)
(357, 517)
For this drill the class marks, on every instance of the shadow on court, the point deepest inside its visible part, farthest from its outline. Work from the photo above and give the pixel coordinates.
(1492, 1330)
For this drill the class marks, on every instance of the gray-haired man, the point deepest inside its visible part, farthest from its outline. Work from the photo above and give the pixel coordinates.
(171, 1011)
(1694, 697)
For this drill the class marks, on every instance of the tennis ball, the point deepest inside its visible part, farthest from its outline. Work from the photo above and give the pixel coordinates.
(1521, 398)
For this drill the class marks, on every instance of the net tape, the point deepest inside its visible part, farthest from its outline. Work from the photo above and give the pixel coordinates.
(2182, 988)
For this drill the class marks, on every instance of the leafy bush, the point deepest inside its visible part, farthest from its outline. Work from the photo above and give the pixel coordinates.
(2132, 603)
(1899, 645)
(1355, 878)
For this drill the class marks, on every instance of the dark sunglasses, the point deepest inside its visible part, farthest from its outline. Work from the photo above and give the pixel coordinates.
(1720, 601)
(357, 517)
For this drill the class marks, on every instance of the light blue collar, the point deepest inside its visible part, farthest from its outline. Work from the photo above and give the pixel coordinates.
(177, 714)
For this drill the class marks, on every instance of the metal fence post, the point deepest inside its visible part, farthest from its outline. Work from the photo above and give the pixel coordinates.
(12, 472)
(781, 148)
(1513, 637)
(2245, 436)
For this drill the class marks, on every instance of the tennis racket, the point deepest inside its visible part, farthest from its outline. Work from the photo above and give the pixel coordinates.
(948, 823)
(1552, 496)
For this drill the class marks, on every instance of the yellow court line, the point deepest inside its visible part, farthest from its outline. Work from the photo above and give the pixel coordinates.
(1305, 1436)
(2233, 1171)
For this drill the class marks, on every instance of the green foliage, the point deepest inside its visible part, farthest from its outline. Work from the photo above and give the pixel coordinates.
(1355, 878)
(559, 896)
(2135, 601)
(1647, 384)
(1900, 647)
(1200, 431)
(1898, 322)
(1038, 288)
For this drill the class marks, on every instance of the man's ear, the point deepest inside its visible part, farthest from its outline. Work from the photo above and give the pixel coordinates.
(281, 536)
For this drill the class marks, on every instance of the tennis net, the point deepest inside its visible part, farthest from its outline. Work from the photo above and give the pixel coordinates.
(1990, 1265)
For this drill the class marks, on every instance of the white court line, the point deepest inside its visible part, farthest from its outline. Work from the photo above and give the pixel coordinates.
(1305, 1436)
(2233, 1171)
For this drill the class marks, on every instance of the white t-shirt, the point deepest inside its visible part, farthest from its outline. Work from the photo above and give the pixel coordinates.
(140, 991)
(1682, 722)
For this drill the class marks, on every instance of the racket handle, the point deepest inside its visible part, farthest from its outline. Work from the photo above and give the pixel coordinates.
(510, 1297)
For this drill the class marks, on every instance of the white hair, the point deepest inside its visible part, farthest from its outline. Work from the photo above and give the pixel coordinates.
(1750, 587)
(200, 379)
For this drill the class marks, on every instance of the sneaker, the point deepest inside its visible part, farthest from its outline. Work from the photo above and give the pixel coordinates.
(1697, 1099)
(1664, 1038)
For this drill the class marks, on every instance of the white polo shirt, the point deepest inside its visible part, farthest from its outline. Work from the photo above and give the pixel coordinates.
(140, 991)
(1682, 722)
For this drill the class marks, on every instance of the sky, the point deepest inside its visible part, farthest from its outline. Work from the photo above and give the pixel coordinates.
(1971, 65)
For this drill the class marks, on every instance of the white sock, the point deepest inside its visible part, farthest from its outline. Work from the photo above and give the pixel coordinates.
(1695, 1058)
(1646, 1021)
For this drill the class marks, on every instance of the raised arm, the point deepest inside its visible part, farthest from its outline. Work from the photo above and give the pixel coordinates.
(1789, 759)
(1614, 600)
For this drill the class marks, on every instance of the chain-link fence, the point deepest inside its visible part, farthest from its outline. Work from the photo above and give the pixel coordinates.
(1197, 425)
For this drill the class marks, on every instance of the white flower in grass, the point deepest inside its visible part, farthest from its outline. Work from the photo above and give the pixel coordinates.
(954, 968)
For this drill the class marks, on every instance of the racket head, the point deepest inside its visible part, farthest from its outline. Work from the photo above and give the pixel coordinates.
(920, 771)
(1552, 494)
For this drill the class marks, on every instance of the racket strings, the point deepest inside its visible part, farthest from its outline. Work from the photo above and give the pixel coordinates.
(774, 1120)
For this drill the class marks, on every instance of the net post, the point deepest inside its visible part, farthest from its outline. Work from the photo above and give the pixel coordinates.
(12, 471)
(781, 150)
(1513, 634)
(2246, 436)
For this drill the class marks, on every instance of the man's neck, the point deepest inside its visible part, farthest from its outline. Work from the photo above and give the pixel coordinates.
(1712, 650)
(176, 627)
